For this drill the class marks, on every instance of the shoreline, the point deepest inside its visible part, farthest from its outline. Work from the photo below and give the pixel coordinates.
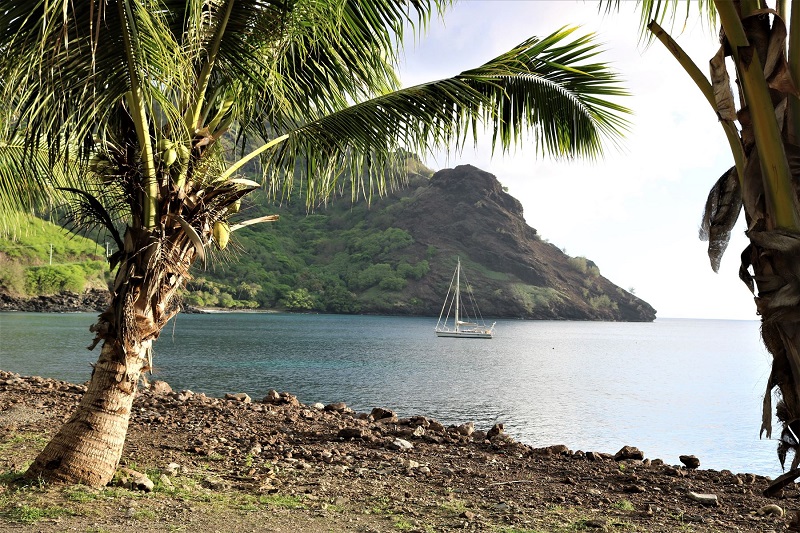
(340, 468)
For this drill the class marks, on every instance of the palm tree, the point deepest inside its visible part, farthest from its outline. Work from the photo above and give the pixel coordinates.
(764, 137)
(147, 107)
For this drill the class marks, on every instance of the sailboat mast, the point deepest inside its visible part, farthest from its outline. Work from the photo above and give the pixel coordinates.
(458, 289)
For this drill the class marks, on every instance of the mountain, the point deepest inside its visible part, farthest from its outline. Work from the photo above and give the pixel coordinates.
(397, 256)
(394, 255)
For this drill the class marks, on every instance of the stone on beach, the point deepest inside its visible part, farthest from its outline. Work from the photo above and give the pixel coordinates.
(690, 461)
(629, 452)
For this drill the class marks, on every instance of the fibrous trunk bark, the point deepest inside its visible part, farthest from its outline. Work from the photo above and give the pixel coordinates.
(88, 448)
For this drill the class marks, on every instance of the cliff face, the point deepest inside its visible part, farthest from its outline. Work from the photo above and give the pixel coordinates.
(464, 212)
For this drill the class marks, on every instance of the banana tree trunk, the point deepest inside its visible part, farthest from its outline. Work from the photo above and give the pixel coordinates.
(88, 448)
(774, 257)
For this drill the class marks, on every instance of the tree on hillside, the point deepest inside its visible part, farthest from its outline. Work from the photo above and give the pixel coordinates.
(764, 137)
(143, 110)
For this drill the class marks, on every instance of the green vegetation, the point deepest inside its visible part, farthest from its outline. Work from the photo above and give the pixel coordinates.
(532, 296)
(335, 261)
(585, 266)
(42, 258)
(624, 505)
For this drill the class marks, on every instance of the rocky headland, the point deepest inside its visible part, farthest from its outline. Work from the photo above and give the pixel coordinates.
(64, 302)
(194, 462)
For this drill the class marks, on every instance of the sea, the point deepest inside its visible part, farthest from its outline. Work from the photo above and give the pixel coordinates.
(670, 387)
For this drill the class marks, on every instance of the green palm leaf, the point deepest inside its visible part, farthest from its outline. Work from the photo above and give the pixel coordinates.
(530, 88)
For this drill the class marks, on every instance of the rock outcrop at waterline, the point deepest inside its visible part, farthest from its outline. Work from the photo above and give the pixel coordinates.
(64, 302)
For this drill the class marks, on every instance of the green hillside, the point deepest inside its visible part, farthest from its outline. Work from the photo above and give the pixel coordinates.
(394, 255)
(335, 260)
(40, 257)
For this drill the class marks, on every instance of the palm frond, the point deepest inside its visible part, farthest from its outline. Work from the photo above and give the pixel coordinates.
(29, 179)
(547, 87)
(669, 13)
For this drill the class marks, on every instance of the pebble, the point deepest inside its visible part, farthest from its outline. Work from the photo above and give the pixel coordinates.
(399, 444)
(705, 499)
(771, 509)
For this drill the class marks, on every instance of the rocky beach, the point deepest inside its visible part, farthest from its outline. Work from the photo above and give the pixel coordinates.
(194, 462)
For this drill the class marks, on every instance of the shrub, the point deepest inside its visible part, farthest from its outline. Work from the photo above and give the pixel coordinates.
(298, 300)
(392, 283)
(12, 278)
(53, 279)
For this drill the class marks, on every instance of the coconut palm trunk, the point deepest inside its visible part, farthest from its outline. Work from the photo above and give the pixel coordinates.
(88, 447)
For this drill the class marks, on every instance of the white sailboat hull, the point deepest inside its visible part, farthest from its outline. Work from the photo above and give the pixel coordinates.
(465, 334)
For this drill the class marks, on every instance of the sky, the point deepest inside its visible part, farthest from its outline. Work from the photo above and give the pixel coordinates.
(636, 212)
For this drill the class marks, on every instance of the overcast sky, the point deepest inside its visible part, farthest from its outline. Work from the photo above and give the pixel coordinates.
(636, 212)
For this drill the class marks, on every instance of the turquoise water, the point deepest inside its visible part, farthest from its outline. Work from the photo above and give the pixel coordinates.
(670, 387)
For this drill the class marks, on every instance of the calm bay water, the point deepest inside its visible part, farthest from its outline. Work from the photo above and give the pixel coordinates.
(670, 387)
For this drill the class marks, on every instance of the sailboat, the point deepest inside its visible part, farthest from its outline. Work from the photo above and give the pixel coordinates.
(462, 326)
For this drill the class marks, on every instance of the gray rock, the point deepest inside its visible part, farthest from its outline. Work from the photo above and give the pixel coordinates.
(165, 480)
(399, 444)
(419, 431)
(690, 461)
(135, 480)
(496, 430)
(628, 452)
(435, 426)
(338, 407)
(272, 396)
(280, 398)
(469, 515)
(633, 488)
(771, 509)
(239, 397)
(419, 421)
(466, 429)
(172, 469)
(160, 387)
(557, 449)
(353, 433)
(214, 483)
(705, 499)
(318, 406)
(379, 413)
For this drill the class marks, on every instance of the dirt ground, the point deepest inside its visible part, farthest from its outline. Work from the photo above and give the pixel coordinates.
(272, 464)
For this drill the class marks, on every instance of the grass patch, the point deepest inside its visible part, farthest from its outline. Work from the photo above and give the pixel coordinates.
(403, 525)
(144, 514)
(30, 514)
(281, 501)
(23, 439)
(454, 506)
(624, 505)
(81, 494)
(380, 505)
